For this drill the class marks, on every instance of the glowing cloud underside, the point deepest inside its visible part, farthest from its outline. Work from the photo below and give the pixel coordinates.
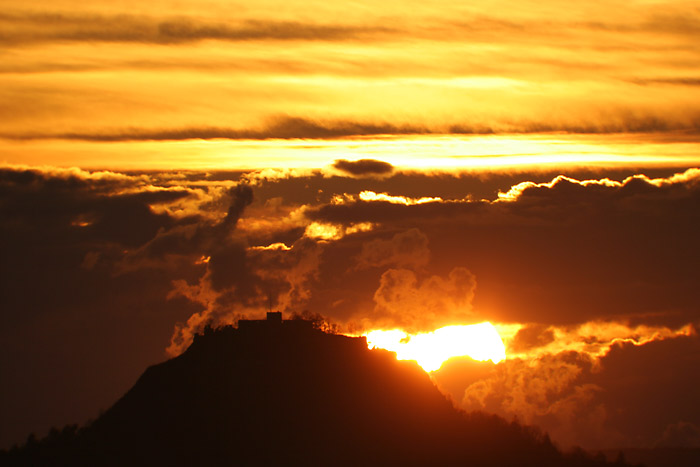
(478, 341)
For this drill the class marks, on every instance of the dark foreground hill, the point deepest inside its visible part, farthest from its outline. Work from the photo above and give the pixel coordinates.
(286, 394)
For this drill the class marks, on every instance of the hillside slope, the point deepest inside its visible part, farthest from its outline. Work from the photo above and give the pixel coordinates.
(288, 394)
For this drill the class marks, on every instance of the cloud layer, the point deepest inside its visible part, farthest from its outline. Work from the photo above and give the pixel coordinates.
(583, 274)
(189, 71)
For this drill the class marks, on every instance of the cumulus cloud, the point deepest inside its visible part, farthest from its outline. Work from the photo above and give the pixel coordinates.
(64, 232)
(601, 269)
(530, 337)
(624, 245)
(241, 281)
(298, 267)
(594, 338)
(681, 434)
(407, 249)
(108, 258)
(251, 281)
(583, 396)
(405, 302)
(549, 392)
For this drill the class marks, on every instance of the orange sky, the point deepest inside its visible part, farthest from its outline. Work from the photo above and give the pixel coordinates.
(402, 165)
(75, 79)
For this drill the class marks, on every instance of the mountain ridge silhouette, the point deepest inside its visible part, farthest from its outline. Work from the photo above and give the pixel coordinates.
(286, 393)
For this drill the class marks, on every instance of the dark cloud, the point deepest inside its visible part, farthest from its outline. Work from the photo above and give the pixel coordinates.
(70, 306)
(278, 128)
(530, 337)
(180, 30)
(67, 206)
(386, 211)
(404, 249)
(675, 23)
(60, 26)
(52, 27)
(674, 81)
(364, 167)
(626, 245)
(648, 387)
(680, 434)
(549, 392)
(91, 264)
(291, 127)
(242, 196)
(636, 395)
(621, 122)
(319, 187)
(93, 261)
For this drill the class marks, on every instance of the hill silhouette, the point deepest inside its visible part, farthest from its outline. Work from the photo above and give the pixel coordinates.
(285, 393)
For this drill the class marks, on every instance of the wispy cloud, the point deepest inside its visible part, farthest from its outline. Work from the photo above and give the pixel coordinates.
(34, 28)
(305, 128)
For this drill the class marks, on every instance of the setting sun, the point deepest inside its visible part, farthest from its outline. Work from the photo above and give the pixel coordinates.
(430, 350)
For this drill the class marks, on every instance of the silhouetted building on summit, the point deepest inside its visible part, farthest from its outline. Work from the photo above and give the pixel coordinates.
(274, 317)
(273, 333)
(274, 322)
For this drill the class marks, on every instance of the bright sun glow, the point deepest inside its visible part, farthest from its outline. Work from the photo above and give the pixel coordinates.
(430, 350)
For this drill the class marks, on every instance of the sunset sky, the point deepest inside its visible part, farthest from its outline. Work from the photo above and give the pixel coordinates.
(393, 166)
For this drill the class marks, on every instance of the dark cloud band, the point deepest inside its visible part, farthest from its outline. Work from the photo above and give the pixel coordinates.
(56, 27)
(304, 128)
